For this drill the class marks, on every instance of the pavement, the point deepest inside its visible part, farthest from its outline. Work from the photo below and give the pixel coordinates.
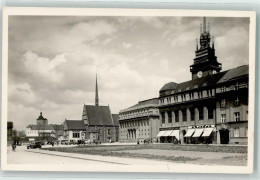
(36, 156)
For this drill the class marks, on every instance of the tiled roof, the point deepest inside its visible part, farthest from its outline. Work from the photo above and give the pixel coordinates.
(235, 73)
(99, 115)
(142, 104)
(74, 125)
(210, 80)
(169, 86)
(115, 119)
(41, 127)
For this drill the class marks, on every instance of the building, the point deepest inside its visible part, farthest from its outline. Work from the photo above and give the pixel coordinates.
(43, 130)
(210, 108)
(98, 123)
(139, 122)
(74, 130)
(9, 131)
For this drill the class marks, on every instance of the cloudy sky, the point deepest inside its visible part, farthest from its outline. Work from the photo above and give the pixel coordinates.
(53, 61)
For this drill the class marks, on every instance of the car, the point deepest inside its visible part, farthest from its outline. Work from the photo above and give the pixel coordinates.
(34, 145)
(96, 141)
(72, 142)
(64, 142)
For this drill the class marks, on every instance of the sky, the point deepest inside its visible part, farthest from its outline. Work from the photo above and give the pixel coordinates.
(53, 61)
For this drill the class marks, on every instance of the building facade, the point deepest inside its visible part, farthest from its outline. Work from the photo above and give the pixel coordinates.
(194, 111)
(43, 130)
(139, 122)
(97, 123)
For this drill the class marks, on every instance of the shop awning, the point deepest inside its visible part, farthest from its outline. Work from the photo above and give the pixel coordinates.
(176, 134)
(189, 133)
(198, 132)
(161, 133)
(207, 132)
(167, 133)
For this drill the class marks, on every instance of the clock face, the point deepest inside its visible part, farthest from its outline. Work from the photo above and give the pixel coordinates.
(214, 71)
(199, 74)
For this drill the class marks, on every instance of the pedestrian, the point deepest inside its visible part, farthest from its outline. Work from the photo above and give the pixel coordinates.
(13, 145)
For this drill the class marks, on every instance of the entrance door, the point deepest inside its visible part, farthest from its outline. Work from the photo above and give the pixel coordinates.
(224, 136)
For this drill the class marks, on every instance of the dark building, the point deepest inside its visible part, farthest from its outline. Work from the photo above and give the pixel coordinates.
(98, 123)
(9, 131)
(210, 108)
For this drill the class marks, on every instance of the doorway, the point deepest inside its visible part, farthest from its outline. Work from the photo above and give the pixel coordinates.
(224, 136)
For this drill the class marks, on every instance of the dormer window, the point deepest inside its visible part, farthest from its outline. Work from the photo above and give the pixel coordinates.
(223, 89)
(236, 86)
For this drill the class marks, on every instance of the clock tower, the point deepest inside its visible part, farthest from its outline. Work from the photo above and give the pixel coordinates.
(205, 62)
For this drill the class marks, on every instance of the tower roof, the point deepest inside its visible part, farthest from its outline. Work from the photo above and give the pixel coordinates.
(41, 117)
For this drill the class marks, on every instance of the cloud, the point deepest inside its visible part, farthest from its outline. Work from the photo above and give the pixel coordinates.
(127, 45)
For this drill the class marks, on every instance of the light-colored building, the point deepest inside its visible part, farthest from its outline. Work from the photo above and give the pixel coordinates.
(42, 130)
(74, 130)
(139, 122)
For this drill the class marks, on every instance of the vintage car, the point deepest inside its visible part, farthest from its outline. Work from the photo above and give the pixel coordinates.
(34, 145)
(64, 142)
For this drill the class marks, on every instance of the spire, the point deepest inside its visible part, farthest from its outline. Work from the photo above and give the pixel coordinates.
(208, 27)
(96, 99)
(213, 42)
(204, 25)
(197, 44)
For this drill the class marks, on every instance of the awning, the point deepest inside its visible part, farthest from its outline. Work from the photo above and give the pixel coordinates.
(189, 133)
(176, 134)
(198, 132)
(160, 133)
(207, 132)
(167, 133)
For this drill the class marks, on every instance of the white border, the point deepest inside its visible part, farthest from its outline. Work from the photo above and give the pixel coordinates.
(128, 12)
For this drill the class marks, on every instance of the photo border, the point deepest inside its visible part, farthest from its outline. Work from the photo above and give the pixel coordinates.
(8, 11)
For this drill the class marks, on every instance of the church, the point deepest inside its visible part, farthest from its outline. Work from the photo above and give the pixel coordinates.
(97, 123)
(212, 107)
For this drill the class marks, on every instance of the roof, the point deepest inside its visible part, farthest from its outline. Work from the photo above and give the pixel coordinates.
(210, 80)
(235, 73)
(99, 115)
(154, 102)
(74, 125)
(41, 117)
(169, 86)
(115, 119)
(40, 127)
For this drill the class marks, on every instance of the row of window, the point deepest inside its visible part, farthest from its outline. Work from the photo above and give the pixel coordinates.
(223, 102)
(237, 133)
(235, 87)
(188, 97)
(236, 117)
(133, 123)
(184, 114)
(134, 113)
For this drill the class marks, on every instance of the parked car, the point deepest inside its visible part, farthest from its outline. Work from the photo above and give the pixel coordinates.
(72, 142)
(96, 141)
(64, 142)
(87, 141)
(34, 145)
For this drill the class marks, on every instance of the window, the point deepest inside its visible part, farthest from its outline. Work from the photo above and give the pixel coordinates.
(176, 112)
(163, 117)
(210, 113)
(237, 86)
(192, 114)
(201, 114)
(75, 134)
(223, 103)
(223, 89)
(108, 131)
(236, 132)
(223, 118)
(169, 117)
(236, 102)
(237, 116)
(184, 117)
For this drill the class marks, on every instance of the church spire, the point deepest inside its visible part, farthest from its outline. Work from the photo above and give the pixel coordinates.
(204, 25)
(96, 98)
